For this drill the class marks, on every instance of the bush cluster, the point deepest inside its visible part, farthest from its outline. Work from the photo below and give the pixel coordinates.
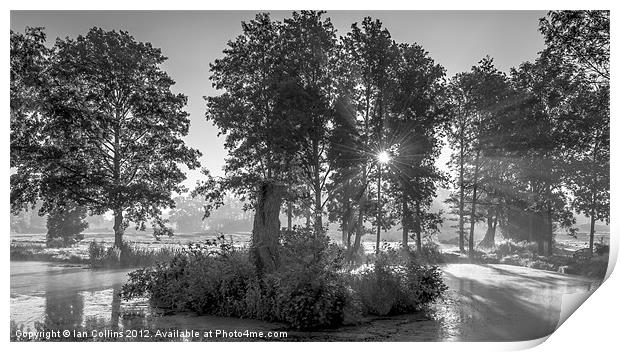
(385, 288)
(311, 289)
(431, 253)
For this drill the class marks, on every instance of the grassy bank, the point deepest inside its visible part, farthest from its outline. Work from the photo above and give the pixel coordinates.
(95, 254)
(32, 251)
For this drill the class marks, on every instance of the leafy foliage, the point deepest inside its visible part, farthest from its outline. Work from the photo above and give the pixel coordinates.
(390, 287)
(107, 129)
(310, 291)
(581, 37)
(65, 224)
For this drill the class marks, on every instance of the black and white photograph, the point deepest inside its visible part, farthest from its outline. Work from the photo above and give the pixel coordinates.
(306, 175)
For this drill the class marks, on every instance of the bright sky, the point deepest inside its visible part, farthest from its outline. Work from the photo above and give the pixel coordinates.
(193, 39)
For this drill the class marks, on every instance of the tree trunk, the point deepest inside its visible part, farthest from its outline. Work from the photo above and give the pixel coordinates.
(359, 228)
(119, 229)
(530, 227)
(592, 221)
(530, 219)
(378, 211)
(318, 215)
(118, 210)
(461, 198)
(472, 220)
(350, 230)
(347, 226)
(489, 237)
(549, 232)
(347, 217)
(359, 232)
(418, 227)
(318, 202)
(266, 230)
(540, 234)
(406, 216)
(593, 203)
(289, 215)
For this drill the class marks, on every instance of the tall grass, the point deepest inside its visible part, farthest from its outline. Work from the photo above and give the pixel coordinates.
(28, 251)
(130, 255)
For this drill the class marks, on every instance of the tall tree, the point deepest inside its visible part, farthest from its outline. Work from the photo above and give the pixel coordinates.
(479, 95)
(532, 133)
(581, 38)
(370, 54)
(345, 186)
(459, 136)
(587, 137)
(110, 132)
(306, 98)
(413, 132)
(258, 134)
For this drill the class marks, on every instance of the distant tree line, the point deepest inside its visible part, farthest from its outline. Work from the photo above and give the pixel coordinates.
(188, 216)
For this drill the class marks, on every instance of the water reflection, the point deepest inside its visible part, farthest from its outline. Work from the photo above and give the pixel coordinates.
(63, 311)
(47, 297)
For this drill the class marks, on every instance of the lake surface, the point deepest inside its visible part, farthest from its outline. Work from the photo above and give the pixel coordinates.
(484, 303)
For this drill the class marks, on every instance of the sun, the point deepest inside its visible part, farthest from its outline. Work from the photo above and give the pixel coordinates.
(383, 157)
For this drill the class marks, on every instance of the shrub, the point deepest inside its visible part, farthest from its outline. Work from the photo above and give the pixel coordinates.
(306, 292)
(311, 299)
(430, 253)
(378, 287)
(55, 242)
(302, 248)
(388, 288)
(601, 248)
(310, 290)
(197, 278)
(422, 284)
(96, 253)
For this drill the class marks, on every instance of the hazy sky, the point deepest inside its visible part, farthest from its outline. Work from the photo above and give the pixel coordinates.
(192, 39)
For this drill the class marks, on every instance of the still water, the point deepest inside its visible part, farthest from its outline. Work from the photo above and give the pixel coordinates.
(484, 303)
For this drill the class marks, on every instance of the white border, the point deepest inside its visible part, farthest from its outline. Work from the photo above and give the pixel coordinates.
(592, 327)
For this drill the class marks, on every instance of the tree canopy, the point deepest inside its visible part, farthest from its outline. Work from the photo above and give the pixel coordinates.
(108, 132)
